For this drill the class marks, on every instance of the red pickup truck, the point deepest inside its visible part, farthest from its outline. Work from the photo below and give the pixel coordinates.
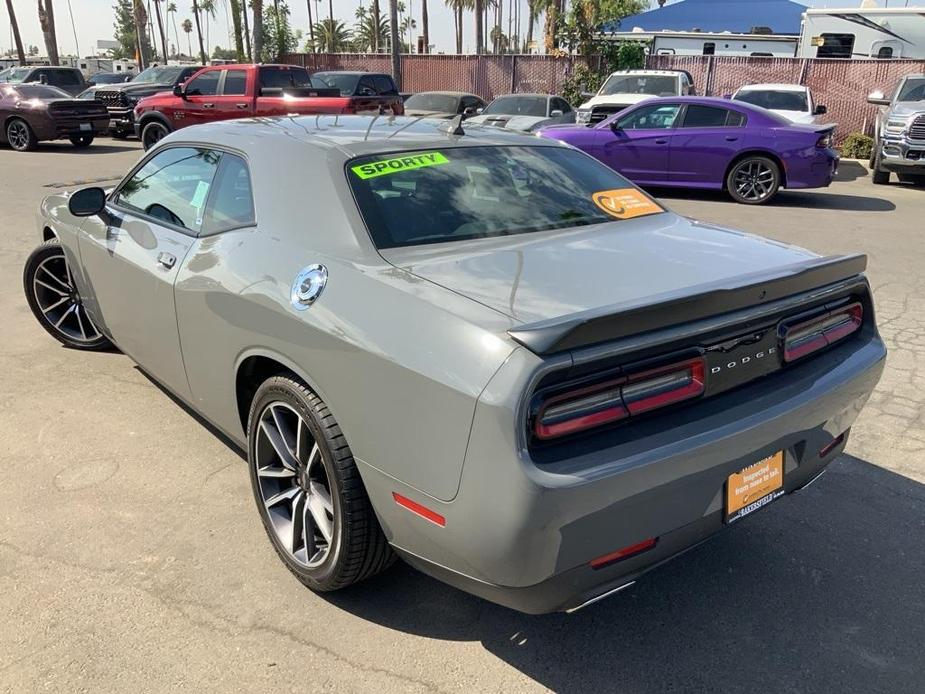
(238, 91)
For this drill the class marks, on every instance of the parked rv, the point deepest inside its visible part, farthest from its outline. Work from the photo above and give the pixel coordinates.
(863, 32)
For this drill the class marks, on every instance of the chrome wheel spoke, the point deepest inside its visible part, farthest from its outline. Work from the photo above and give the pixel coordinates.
(50, 288)
(322, 510)
(62, 300)
(285, 495)
(279, 446)
(65, 315)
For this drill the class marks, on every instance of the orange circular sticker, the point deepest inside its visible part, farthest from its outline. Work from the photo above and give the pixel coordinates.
(625, 203)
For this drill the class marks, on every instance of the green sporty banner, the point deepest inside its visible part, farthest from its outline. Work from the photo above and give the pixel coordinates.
(415, 160)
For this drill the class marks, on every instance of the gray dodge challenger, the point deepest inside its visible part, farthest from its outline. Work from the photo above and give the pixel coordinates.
(483, 352)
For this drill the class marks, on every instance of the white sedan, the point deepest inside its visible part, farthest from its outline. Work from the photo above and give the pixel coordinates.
(793, 101)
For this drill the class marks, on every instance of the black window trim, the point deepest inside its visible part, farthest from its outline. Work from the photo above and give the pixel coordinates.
(681, 116)
(111, 198)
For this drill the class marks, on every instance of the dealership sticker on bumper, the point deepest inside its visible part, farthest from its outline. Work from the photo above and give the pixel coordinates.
(755, 486)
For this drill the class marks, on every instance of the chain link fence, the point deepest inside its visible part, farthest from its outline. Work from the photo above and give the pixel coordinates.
(487, 76)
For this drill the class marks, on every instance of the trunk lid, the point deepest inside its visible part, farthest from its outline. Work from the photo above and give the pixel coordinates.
(540, 276)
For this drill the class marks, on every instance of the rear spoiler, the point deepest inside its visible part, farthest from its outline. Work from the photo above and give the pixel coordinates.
(684, 305)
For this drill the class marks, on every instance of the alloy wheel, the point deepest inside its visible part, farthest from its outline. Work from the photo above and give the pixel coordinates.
(59, 302)
(754, 180)
(294, 485)
(17, 133)
(152, 134)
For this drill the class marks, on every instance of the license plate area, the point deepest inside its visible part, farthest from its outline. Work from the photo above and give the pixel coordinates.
(754, 487)
(86, 127)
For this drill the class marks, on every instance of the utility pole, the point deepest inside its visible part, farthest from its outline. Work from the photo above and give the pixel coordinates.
(396, 44)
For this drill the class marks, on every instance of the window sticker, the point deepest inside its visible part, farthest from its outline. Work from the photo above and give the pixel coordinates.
(199, 197)
(626, 203)
(406, 162)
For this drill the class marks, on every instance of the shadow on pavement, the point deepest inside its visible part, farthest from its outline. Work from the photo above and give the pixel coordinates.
(786, 198)
(64, 147)
(851, 171)
(821, 592)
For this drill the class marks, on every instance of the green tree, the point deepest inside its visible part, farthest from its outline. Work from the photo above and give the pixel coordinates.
(124, 33)
(236, 23)
(368, 34)
(332, 37)
(279, 38)
(188, 30)
(220, 53)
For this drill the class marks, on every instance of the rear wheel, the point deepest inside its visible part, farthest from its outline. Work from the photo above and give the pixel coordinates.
(152, 133)
(55, 302)
(20, 135)
(81, 141)
(308, 489)
(753, 180)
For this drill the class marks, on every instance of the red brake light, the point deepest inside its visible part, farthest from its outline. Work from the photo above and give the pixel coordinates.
(592, 406)
(801, 339)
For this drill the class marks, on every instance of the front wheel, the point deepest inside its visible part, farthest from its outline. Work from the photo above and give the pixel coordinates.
(877, 175)
(308, 490)
(55, 302)
(20, 135)
(753, 180)
(81, 141)
(152, 133)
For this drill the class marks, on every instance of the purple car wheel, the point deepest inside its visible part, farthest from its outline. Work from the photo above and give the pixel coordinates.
(753, 180)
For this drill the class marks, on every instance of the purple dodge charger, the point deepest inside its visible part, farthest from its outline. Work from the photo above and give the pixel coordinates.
(699, 142)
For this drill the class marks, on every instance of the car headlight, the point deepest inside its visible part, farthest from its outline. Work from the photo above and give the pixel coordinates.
(895, 126)
(583, 116)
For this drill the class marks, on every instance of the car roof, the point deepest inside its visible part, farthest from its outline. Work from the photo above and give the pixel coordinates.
(777, 86)
(446, 93)
(349, 136)
(535, 94)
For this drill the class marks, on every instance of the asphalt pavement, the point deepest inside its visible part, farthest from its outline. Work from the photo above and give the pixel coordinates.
(132, 558)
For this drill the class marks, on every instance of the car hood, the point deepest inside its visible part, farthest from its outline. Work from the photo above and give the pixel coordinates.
(143, 89)
(499, 120)
(538, 276)
(616, 100)
(907, 108)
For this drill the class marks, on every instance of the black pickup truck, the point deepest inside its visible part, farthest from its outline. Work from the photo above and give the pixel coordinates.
(120, 99)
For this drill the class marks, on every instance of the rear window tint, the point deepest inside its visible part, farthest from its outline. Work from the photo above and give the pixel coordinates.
(454, 194)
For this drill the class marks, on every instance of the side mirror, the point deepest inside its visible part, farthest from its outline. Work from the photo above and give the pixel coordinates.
(469, 111)
(878, 99)
(178, 90)
(87, 202)
(615, 127)
(479, 110)
(820, 109)
(555, 113)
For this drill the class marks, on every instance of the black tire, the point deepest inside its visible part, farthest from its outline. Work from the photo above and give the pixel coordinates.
(753, 180)
(152, 133)
(358, 549)
(120, 134)
(20, 136)
(878, 175)
(75, 330)
(81, 141)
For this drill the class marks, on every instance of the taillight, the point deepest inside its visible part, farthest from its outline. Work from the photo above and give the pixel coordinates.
(604, 403)
(824, 141)
(802, 338)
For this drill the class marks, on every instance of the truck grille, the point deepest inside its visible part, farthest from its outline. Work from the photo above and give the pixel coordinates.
(599, 113)
(112, 98)
(917, 131)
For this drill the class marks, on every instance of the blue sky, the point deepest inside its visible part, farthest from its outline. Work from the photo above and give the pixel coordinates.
(94, 18)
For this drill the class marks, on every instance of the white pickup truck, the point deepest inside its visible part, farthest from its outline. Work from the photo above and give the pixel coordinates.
(627, 87)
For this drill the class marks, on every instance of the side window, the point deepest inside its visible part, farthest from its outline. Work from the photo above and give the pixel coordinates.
(232, 203)
(835, 46)
(204, 85)
(650, 117)
(385, 85)
(67, 78)
(698, 116)
(235, 83)
(709, 48)
(366, 87)
(735, 119)
(885, 52)
(172, 186)
(561, 105)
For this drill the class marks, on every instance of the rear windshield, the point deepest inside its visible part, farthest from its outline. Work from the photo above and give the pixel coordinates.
(283, 77)
(40, 91)
(158, 75)
(344, 81)
(774, 99)
(446, 103)
(517, 106)
(656, 85)
(453, 194)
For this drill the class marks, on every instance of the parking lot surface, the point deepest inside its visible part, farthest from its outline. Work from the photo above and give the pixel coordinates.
(132, 557)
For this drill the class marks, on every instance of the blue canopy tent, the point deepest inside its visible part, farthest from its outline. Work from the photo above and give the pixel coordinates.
(737, 16)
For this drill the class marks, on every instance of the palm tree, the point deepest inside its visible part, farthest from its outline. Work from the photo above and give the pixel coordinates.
(394, 47)
(311, 23)
(331, 37)
(188, 29)
(553, 10)
(479, 8)
(47, 21)
(257, 7)
(207, 8)
(368, 34)
(458, 6)
(20, 52)
(202, 50)
(377, 21)
(172, 15)
(247, 29)
(236, 21)
(140, 19)
(160, 27)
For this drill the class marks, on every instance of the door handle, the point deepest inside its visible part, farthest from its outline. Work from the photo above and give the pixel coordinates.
(732, 138)
(166, 259)
(661, 141)
(208, 105)
(240, 105)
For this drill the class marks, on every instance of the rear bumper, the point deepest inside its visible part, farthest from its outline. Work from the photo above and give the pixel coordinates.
(522, 535)
(815, 172)
(61, 129)
(902, 156)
